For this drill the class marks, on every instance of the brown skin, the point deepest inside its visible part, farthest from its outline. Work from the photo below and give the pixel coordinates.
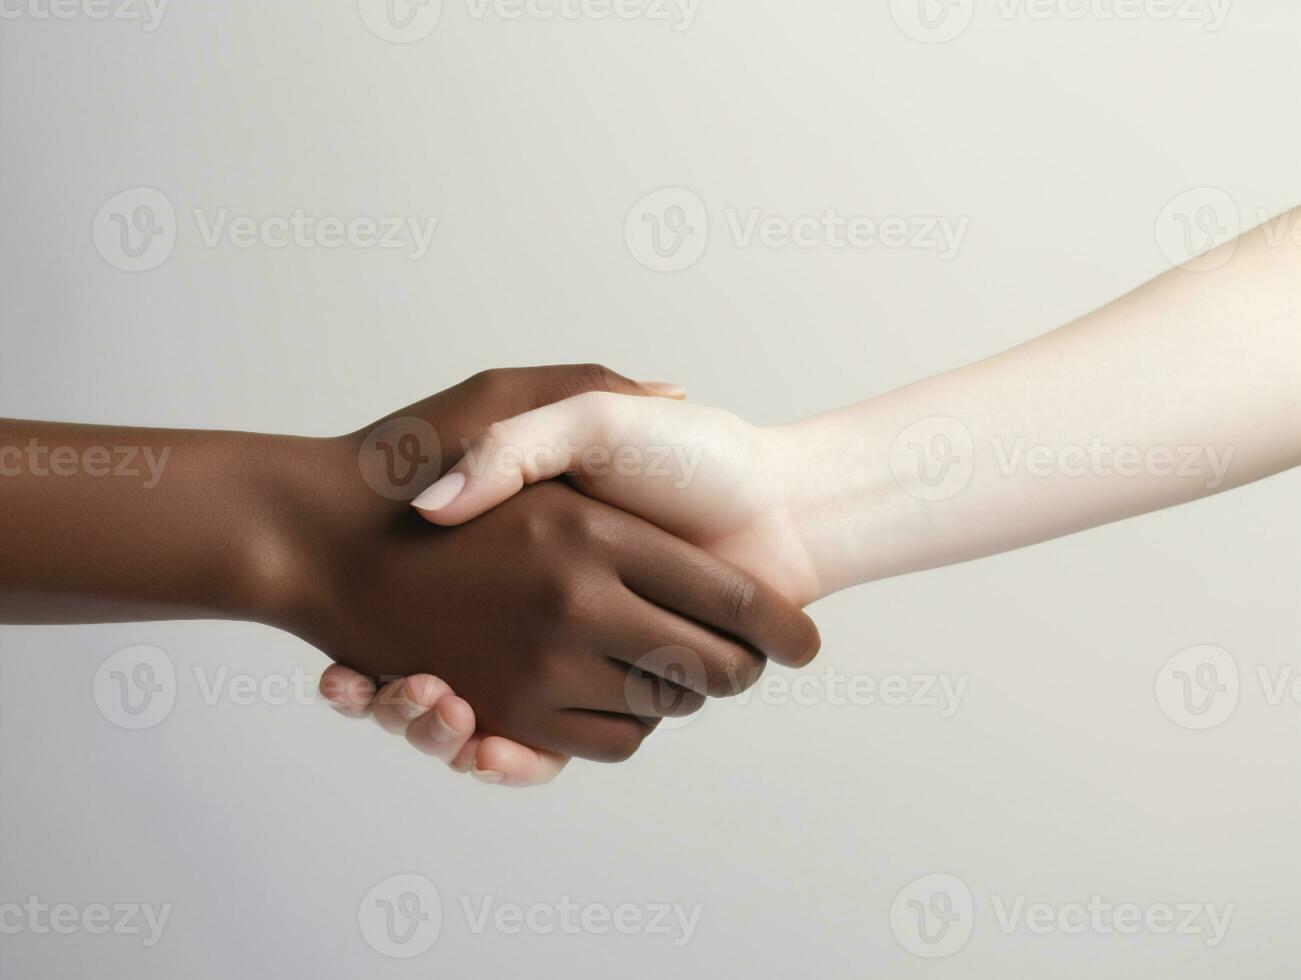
(533, 613)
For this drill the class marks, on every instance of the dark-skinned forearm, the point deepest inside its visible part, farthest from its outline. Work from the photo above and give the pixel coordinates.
(109, 524)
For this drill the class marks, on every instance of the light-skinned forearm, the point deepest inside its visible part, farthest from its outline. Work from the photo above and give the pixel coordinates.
(1185, 387)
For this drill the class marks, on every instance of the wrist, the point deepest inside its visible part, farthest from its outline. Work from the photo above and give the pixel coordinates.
(776, 540)
(842, 504)
(290, 497)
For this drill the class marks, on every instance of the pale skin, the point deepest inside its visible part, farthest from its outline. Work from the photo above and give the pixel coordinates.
(1187, 386)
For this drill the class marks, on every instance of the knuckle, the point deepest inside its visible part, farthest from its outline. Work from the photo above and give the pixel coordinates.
(545, 671)
(418, 688)
(592, 377)
(622, 742)
(490, 381)
(731, 673)
(810, 645)
(570, 600)
(586, 528)
(538, 529)
(498, 435)
(682, 703)
(575, 379)
(579, 602)
(740, 600)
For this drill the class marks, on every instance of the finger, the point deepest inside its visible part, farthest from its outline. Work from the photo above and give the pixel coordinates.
(401, 702)
(464, 760)
(538, 445)
(444, 729)
(347, 691)
(507, 763)
(664, 389)
(682, 578)
(670, 663)
(601, 736)
(651, 694)
(638, 673)
(539, 386)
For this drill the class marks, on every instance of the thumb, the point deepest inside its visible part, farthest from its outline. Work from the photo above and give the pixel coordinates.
(538, 445)
(561, 381)
(664, 389)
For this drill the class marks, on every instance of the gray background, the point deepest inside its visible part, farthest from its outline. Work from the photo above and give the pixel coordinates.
(793, 825)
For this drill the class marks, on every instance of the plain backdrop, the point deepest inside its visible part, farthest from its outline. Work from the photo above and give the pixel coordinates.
(793, 826)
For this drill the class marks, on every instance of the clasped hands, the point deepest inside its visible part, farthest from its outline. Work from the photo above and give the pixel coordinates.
(539, 619)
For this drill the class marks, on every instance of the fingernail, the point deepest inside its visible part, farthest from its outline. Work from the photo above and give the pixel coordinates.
(487, 775)
(442, 493)
(408, 710)
(440, 731)
(665, 389)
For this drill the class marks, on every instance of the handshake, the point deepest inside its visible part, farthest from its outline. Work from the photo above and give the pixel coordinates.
(542, 619)
(506, 620)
